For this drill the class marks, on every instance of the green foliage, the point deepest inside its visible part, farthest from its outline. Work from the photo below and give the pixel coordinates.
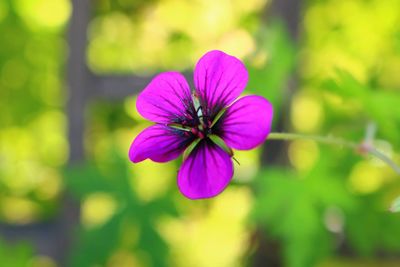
(378, 105)
(372, 229)
(16, 255)
(32, 125)
(96, 245)
(291, 206)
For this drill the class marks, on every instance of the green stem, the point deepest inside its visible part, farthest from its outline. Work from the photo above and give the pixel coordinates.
(330, 140)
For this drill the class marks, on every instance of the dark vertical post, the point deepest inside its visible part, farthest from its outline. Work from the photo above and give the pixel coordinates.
(269, 251)
(78, 80)
(290, 12)
(78, 77)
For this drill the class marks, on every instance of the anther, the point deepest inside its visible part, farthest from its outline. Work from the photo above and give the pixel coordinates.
(194, 131)
(200, 135)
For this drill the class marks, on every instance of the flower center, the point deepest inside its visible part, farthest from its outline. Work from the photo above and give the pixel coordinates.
(203, 129)
(196, 121)
(200, 126)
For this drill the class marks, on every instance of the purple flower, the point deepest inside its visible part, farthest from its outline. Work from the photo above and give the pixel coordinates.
(205, 124)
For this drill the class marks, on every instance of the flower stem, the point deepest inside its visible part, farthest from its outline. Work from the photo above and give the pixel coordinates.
(331, 140)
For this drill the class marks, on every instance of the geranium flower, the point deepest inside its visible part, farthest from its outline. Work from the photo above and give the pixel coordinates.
(205, 124)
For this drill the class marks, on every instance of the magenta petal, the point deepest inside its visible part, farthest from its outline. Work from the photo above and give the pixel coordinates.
(158, 143)
(166, 99)
(206, 172)
(219, 79)
(247, 122)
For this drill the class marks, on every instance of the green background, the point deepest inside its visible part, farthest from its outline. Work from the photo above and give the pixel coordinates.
(303, 205)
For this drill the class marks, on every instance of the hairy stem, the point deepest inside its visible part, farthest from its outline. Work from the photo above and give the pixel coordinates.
(331, 140)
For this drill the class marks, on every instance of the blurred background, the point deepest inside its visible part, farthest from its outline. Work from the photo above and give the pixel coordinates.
(69, 73)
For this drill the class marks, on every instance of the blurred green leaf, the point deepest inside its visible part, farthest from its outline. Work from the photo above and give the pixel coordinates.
(377, 105)
(15, 255)
(97, 245)
(84, 179)
(292, 207)
(289, 212)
